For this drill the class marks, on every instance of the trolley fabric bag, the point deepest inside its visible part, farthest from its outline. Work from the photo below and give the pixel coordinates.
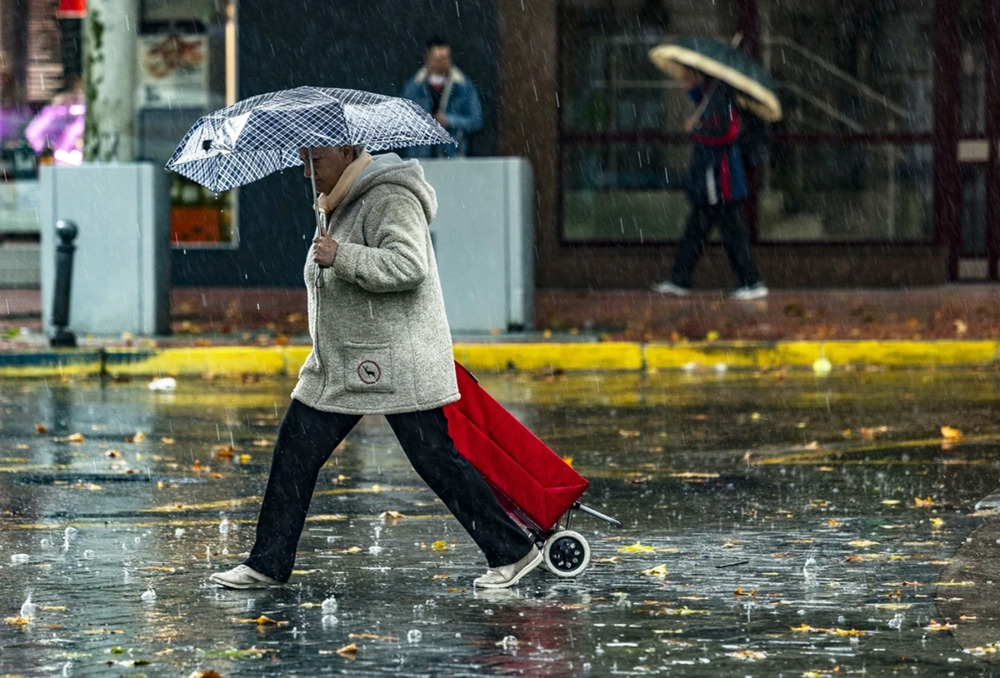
(532, 482)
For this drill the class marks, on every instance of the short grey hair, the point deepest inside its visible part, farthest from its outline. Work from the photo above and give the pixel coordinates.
(358, 150)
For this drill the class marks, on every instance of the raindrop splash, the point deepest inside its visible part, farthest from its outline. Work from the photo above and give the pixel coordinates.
(28, 608)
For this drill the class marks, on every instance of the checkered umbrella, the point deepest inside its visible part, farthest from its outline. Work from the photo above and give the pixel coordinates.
(263, 134)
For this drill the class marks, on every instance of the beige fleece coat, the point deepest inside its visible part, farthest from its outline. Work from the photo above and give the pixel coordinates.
(381, 341)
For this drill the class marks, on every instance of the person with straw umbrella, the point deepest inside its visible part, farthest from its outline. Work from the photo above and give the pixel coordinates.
(718, 79)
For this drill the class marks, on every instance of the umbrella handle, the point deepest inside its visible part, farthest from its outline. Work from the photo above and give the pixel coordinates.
(735, 42)
(704, 102)
(320, 282)
(312, 180)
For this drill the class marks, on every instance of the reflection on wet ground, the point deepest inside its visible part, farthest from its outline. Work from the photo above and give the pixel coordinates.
(774, 524)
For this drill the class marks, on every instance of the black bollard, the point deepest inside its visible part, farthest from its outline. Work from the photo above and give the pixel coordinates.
(66, 230)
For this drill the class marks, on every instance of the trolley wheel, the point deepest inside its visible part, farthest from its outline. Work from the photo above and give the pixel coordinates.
(567, 553)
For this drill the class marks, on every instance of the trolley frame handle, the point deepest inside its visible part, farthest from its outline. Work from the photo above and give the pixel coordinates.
(597, 514)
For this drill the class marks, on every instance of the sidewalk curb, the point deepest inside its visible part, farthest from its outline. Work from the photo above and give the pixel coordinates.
(497, 357)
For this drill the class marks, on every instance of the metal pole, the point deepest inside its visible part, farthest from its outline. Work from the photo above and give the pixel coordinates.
(66, 230)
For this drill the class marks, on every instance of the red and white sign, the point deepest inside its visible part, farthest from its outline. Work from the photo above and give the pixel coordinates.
(71, 9)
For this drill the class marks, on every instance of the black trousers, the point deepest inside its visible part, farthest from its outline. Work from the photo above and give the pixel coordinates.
(735, 240)
(307, 438)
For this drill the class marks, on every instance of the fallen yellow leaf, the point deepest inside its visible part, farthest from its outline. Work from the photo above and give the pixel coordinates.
(348, 650)
(372, 636)
(937, 626)
(951, 433)
(636, 548)
(658, 571)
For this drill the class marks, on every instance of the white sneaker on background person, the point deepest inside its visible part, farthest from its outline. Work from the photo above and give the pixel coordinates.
(749, 292)
(670, 288)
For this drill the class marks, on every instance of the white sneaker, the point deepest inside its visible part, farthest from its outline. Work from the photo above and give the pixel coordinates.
(243, 577)
(507, 575)
(749, 292)
(668, 287)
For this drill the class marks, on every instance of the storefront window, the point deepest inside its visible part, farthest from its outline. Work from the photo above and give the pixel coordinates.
(185, 68)
(846, 192)
(851, 160)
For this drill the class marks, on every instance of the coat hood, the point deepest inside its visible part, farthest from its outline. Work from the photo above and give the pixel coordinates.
(389, 168)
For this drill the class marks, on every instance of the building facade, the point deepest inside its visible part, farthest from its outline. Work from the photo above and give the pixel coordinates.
(884, 170)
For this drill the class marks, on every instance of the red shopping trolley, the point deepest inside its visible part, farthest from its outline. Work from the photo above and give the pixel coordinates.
(533, 484)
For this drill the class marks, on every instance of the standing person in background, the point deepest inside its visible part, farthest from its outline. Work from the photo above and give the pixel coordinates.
(716, 186)
(445, 92)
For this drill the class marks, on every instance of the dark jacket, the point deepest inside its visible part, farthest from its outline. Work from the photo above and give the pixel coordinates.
(462, 109)
(715, 173)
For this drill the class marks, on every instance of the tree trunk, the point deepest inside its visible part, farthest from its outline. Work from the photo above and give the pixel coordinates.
(109, 57)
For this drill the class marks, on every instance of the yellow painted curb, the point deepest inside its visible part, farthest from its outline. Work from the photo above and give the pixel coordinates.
(497, 357)
(197, 360)
(551, 356)
(906, 353)
(51, 363)
(894, 353)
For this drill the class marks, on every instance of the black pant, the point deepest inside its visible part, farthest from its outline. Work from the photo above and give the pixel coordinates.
(307, 438)
(735, 240)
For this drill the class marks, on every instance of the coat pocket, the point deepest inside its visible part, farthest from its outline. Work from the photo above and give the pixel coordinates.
(368, 368)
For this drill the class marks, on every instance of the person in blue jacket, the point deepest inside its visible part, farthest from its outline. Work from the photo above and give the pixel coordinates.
(445, 92)
(716, 185)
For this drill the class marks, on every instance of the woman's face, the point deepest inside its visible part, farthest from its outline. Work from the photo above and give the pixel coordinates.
(692, 79)
(329, 163)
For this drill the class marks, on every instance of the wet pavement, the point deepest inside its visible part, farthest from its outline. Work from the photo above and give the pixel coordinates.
(774, 523)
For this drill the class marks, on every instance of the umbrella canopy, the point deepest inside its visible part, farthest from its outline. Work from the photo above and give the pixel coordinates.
(726, 63)
(263, 134)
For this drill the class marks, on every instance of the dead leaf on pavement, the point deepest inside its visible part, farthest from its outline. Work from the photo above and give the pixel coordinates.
(263, 620)
(658, 571)
(951, 433)
(869, 433)
(805, 628)
(636, 548)
(349, 651)
(937, 626)
(372, 636)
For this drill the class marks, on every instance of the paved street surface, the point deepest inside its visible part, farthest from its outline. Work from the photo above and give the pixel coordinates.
(774, 524)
